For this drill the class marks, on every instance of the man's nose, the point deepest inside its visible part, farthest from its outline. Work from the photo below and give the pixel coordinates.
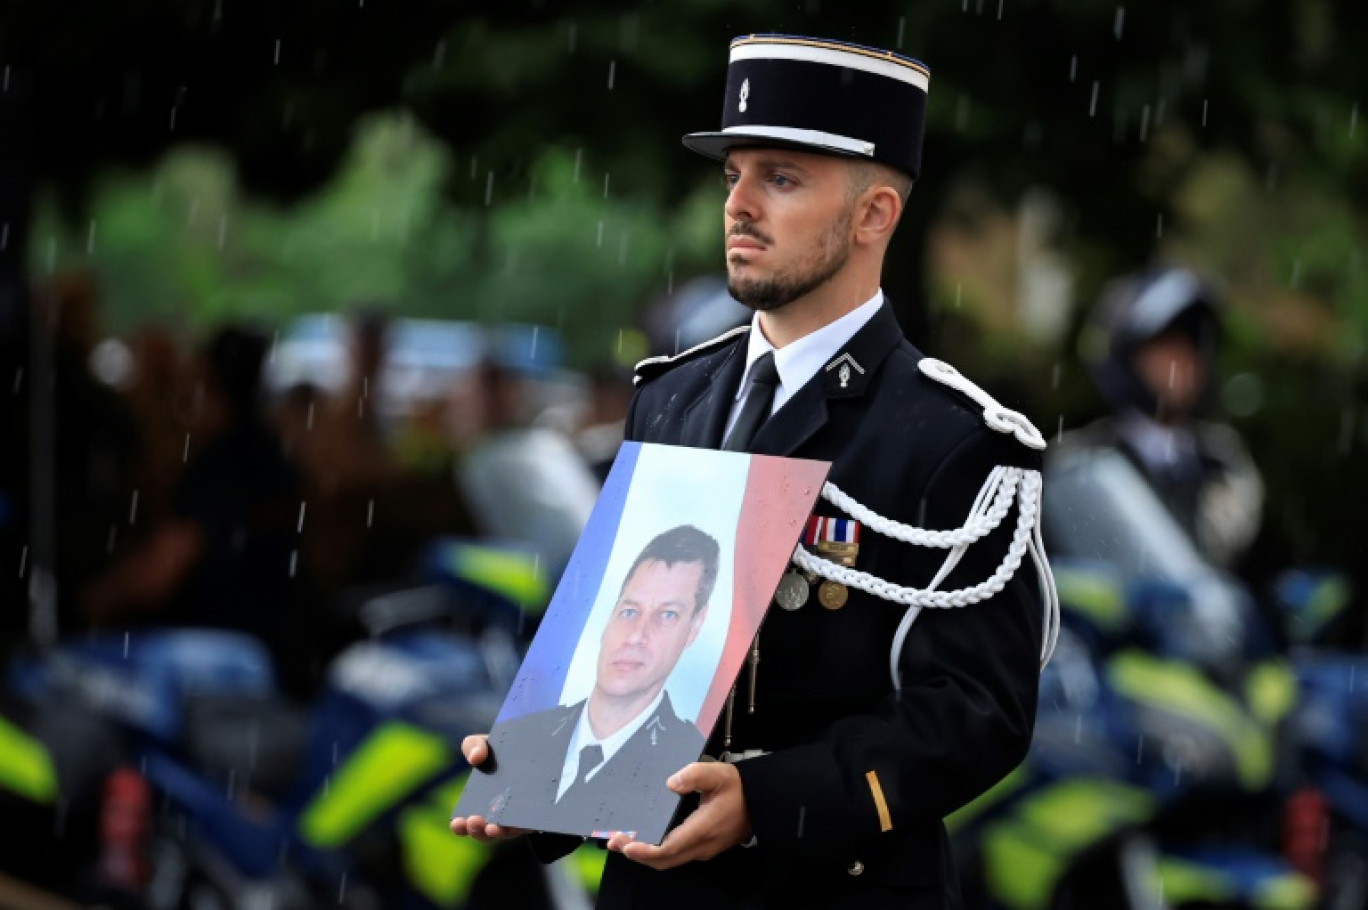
(742, 201)
(638, 632)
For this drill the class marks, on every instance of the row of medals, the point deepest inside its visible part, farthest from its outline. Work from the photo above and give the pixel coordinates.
(795, 586)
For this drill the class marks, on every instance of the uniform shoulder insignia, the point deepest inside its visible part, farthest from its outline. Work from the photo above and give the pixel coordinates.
(652, 367)
(1004, 420)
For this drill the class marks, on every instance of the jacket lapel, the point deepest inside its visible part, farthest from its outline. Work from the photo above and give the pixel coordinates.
(706, 417)
(847, 374)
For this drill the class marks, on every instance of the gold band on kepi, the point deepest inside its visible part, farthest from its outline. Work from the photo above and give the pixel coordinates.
(830, 97)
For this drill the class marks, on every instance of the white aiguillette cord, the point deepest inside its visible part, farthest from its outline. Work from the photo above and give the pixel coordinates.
(990, 507)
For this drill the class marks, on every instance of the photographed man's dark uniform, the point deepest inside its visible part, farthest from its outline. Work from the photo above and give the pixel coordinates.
(609, 794)
(895, 678)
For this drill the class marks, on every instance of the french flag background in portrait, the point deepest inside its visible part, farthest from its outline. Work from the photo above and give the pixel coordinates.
(756, 506)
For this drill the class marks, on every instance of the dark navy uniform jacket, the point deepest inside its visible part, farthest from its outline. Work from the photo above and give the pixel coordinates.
(619, 794)
(917, 451)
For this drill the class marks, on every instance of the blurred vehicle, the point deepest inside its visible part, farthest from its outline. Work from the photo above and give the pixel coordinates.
(1153, 778)
(227, 796)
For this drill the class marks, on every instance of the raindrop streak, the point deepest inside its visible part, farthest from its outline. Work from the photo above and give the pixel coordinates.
(1204, 111)
(126, 638)
(802, 815)
(1059, 430)
(599, 241)
(185, 450)
(113, 536)
(1295, 280)
(902, 26)
(277, 52)
(579, 159)
(4, 236)
(23, 560)
(222, 231)
(1144, 123)
(1054, 375)
(489, 187)
(171, 127)
(1073, 67)
(612, 73)
(370, 513)
(1159, 228)
(299, 525)
(572, 39)
(1353, 121)
(1119, 22)
(1000, 4)
(6, 87)
(1092, 105)
(294, 562)
(133, 508)
(342, 889)
(90, 238)
(606, 178)
(532, 350)
(439, 55)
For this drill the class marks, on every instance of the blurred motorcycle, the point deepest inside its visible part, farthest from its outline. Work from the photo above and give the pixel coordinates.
(229, 796)
(1152, 780)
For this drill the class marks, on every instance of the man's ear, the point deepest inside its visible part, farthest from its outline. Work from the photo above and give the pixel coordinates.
(877, 213)
(696, 623)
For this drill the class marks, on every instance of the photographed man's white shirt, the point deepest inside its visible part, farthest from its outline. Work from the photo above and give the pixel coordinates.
(584, 736)
(798, 361)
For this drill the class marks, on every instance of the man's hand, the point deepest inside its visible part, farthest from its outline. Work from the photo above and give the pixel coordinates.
(476, 750)
(720, 823)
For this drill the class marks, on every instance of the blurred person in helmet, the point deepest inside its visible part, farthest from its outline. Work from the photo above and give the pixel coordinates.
(1152, 347)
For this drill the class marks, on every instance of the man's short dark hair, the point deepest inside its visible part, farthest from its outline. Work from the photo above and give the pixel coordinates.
(684, 543)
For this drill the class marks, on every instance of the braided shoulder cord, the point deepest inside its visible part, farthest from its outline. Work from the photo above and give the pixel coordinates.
(983, 518)
(1002, 480)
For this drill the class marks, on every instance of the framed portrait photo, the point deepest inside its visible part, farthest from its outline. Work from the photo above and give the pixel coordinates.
(647, 630)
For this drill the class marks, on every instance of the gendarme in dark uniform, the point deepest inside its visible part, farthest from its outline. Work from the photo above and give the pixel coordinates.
(914, 450)
(879, 704)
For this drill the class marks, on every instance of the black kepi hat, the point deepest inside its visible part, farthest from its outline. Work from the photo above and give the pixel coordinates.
(824, 96)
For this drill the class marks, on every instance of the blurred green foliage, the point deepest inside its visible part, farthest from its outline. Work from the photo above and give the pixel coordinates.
(182, 244)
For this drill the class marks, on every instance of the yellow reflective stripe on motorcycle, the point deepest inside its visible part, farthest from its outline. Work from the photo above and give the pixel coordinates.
(439, 865)
(1095, 596)
(1271, 690)
(1026, 854)
(514, 575)
(588, 864)
(378, 773)
(1001, 790)
(1289, 891)
(1184, 882)
(1182, 689)
(25, 766)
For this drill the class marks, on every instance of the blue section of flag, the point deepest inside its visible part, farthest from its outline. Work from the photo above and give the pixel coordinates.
(543, 671)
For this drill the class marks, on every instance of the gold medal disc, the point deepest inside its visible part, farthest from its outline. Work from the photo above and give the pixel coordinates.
(833, 595)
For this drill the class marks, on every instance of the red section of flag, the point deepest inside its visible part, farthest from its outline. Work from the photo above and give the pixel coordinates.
(774, 513)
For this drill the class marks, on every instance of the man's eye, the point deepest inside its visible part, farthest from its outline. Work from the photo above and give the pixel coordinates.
(627, 613)
(781, 181)
(730, 180)
(668, 615)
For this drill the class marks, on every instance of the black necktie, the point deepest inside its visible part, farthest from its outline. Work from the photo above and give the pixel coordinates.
(756, 408)
(591, 756)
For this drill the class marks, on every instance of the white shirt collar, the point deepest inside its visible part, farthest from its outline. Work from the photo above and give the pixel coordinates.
(584, 736)
(798, 361)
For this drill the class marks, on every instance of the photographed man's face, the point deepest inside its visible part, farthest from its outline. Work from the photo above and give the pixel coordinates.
(788, 222)
(652, 623)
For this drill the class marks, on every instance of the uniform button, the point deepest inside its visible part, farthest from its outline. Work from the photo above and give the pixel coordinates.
(855, 868)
